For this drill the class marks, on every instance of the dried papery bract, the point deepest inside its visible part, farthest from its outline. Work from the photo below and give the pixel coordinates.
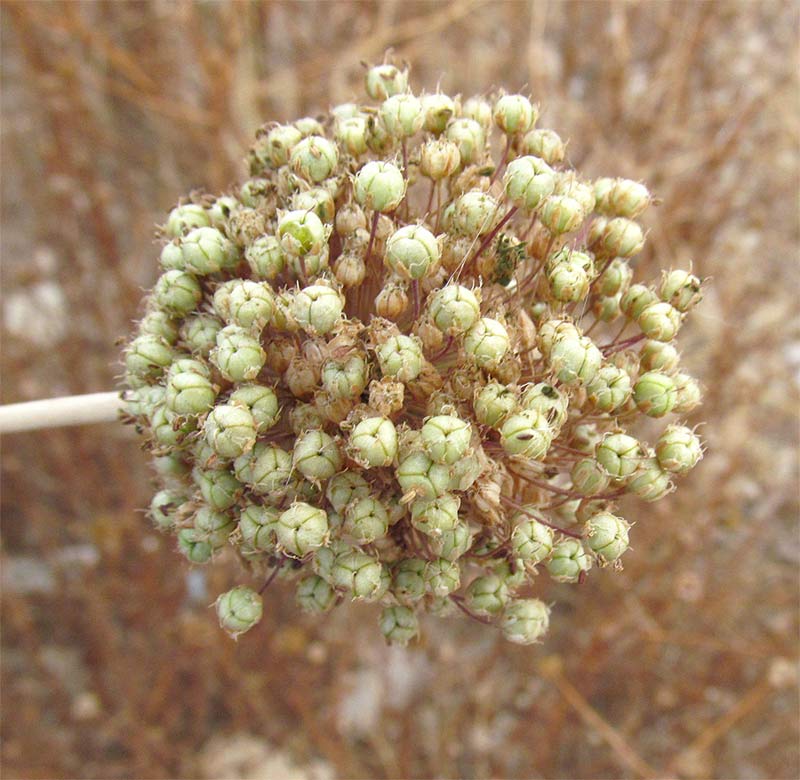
(385, 364)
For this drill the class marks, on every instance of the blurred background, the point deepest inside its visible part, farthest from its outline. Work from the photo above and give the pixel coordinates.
(684, 665)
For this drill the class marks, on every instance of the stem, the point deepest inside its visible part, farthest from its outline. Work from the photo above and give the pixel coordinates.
(59, 412)
(539, 518)
(375, 217)
(459, 602)
(488, 240)
(502, 162)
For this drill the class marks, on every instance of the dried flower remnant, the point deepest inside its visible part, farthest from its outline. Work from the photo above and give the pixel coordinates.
(385, 364)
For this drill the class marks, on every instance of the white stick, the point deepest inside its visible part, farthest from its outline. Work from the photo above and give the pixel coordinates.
(55, 412)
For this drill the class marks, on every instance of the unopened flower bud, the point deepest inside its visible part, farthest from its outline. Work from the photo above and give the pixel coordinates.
(528, 181)
(230, 430)
(568, 561)
(399, 625)
(678, 449)
(525, 621)
(486, 342)
(314, 158)
(606, 535)
(412, 252)
(316, 455)
(239, 610)
(619, 454)
(379, 186)
(681, 290)
(301, 529)
(545, 144)
(659, 321)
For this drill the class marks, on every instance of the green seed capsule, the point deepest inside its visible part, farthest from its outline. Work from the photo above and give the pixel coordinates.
(531, 540)
(678, 449)
(412, 252)
(493, 403)
(470, 138)
(610, 389)
(420, 475)
(199, 333)
(257, 526)
(636, 299)
(475, 213)
(682, 290)
(314, 158)
(408, 580)
(545, 144)
(383, 81)
(526, 434)
(622, 238)
(301, 529)
(213, 526)
(366, 520)
(230, 430)
(266, 469)
(400, 357)
(165, 508)
(514, 114)
(575, 360)
(379, 186)
(619, 454)
(446, 438)
(454, 309)
(239, 610)
(317, 309)
(655, 394)
(451, 545)
(627, 198)
(318, 200)
(238, 355)
(658, 356)
(561, 214)
(360, 575)
(314, 595)
(346, 378)
(262, 403)
(280, 141)
(219, 488)
(373, 442)
(399, 625)
(147, 356)
(689, 394)
(265, 257)
(487, 595)
(659, 321)
(651, 482)
(177, 292)
(196, 549)
(402, 115)
(316, 455)
(184, 218)
(189, 393)
(442, 577)
(435, 516)
(486, 342)
(528, 181)
(525, 621)
(568, 561)
(616, 278)
(345, 487)
(606, 535)
(588, 477)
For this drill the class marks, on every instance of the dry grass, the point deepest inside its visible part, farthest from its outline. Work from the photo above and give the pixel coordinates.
(683, 665)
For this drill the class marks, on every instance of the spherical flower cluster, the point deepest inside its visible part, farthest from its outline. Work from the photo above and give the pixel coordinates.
(398, 369)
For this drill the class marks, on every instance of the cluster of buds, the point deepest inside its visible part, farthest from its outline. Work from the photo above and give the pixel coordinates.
(400, 364)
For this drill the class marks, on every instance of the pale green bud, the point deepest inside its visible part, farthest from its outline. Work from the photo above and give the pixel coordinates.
(346, 378)
(569, 280)
(316, 455)
(606, 535)
(314, 595)
(408, 582)
(399, 625)
(220, 489)
(588, 477)
(230, 430)
(147, 356)
(486, 342)
(636, 299)
(383, 81)
(487, 595)
(619, 454)
(678, 449)
(365, 520)
(238, 355)
(345, 487)
(659, 321)
(575, 360)
(442, 577)
(552, 331)
(514, 114)
(195, 548)
(213, 526)
(528, 181)
(280, 141)
(266, 469)
(171, 257)
(655, 394)
(610, 389)
(438, 110)
(689, 394)
(400, 357)
(402, 115)
(493, 403)
(454, 309)
(561, 214)
(239, 610)
(627, 198)
(682, 290)
(257, 526)
(650, 482)
(525, 621)
(380, 186)
(412, 252)
(301, 233)
(419, 475)
(622, 237)
(184, 218)
(451, 545)
(373, 442)
(165, 507)
(159, 323)
(658, 356)
(545, 144)
(314, 158)
(531, 540)
(177, 292)
(526, 433)
(360, 574)
(199, 333)
(262, 403)
(470, 138)
(434, 516)
(317, 308)
(475, 213)
(568, 561)
(265, 257)
(301, 529)
(205, 250)
(446, 438)
(616, 277)
(189, 393)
